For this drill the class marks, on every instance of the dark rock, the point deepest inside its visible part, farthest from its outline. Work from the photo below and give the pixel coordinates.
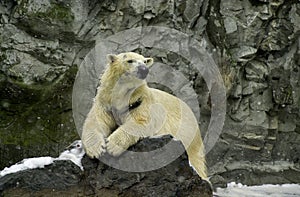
(240, 111)
(256, 71)
(279, 35)
(261, 101)
(58, 176)
(281, 87)
(175, 179)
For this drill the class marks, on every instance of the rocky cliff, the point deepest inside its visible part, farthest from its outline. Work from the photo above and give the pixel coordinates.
(255, 44)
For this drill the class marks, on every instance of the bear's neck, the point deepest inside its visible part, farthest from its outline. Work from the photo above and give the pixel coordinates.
(110, 88)
(108, 80)
(115, 96)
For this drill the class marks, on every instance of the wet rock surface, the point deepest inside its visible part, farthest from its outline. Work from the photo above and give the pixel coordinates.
(254, 43)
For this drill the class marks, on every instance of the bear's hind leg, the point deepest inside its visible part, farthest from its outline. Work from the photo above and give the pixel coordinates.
(196, 155)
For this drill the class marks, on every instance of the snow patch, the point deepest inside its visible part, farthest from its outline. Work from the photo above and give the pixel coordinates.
(74, 153)
(31, 163)
(238, 189)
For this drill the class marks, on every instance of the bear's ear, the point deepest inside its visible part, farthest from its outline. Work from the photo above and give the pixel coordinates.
(148, 61)
(111, 58)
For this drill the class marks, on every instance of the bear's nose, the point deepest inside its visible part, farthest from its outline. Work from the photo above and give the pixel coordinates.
(142, 71)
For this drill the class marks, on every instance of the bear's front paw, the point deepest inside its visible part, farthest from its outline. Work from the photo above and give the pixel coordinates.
(114, 146)
(94, 146)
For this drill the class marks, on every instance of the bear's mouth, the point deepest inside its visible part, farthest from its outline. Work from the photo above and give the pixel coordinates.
(142, 75)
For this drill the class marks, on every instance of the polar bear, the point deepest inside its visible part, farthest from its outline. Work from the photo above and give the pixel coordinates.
(126, 110)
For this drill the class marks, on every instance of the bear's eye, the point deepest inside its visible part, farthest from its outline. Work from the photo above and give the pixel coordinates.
(129, 61)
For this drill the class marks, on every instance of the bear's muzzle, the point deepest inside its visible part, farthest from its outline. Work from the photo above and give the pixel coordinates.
(142, 71)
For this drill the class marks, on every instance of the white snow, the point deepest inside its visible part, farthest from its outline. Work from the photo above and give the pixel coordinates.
(74, 153)
(37, 162)
(239, 190)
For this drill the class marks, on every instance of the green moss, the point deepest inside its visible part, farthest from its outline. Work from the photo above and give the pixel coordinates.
(59, 13)
(2, 55)
(22, 6)
(36, 122)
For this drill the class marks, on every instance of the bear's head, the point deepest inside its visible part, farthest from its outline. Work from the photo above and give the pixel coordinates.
(131, 65)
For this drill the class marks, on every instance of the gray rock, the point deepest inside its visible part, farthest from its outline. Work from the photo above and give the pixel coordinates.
(149, 15)
(230, 25)
(287, 122)
(241, 19)
(46, 18)
(243, 53)
(262, 101)
(271, 167)
(250, 87)
(294, 16)
(256, 71)
(227, 8)
(258, 119)
(192, 11)
(138, 6)
(29, 70)
(242, 111)
(280, 34)
(265, 12)
(47, 51)
(237, 91)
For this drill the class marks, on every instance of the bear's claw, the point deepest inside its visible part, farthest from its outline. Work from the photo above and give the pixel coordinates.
(113, 148)
(95, 146)
(95, 152)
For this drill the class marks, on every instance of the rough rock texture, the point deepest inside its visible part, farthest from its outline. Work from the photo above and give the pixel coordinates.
(256, 45)
(260, 140)
(66, 179)
(60, 176)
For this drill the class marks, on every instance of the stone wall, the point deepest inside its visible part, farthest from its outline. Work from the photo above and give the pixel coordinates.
(254, 42)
